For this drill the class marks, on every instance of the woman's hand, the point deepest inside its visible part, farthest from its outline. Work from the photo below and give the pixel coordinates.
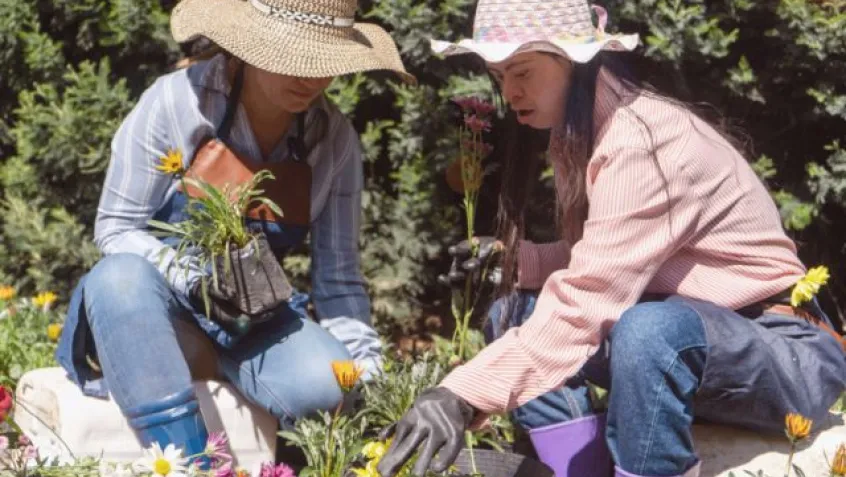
(463, 263)
(435, 423)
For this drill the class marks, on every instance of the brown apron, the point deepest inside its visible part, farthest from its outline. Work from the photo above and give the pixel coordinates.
(217, 164)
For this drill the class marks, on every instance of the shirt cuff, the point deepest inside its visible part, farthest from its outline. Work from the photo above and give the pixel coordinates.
(361, 340)
(528, 266)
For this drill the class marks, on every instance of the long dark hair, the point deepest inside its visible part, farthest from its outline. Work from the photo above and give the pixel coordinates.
(523, 159)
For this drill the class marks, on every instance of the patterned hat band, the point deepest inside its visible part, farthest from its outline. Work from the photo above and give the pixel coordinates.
(302, 17)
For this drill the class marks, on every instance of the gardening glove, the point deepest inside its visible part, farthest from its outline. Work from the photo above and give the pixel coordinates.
(436, 422)
(463, 263)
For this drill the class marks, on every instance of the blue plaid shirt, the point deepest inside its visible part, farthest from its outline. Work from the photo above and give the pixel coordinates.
(176, 112)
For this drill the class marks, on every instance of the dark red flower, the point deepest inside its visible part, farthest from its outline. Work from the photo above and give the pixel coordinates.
(5, 403)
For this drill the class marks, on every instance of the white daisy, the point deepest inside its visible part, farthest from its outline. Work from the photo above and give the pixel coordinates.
(163, 464)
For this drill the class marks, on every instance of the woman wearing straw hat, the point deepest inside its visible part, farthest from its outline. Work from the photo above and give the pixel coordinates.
(670, 287)
(136, 317)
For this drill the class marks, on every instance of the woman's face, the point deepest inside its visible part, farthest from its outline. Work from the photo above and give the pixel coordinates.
(288, 93)
(535, 86)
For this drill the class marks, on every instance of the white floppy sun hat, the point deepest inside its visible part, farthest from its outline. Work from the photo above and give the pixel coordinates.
(503, 28)
(305, 38)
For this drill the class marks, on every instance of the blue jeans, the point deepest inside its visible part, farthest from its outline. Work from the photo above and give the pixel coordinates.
(652, 364)
(665, 362)
(283, 366)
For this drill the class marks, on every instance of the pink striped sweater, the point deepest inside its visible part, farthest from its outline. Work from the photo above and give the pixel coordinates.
(711, 232)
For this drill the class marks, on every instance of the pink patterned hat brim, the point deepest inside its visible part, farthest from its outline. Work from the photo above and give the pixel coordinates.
(579, 51)
(506, 27)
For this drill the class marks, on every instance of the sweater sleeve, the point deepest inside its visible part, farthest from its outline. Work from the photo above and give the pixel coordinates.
(537, 261)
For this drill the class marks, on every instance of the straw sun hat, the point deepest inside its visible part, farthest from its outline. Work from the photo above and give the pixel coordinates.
(305, 38)
(505, 27)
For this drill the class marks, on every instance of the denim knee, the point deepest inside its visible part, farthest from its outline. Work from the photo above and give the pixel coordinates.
(123, 281)
(288, 371)
(645, 332)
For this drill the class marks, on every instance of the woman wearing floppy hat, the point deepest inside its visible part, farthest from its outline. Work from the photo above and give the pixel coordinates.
(670, 286)
(136, 317)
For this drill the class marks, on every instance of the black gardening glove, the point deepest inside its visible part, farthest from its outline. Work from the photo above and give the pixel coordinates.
(462, 263)
(435, 423)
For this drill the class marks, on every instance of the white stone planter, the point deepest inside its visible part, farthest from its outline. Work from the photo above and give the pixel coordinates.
(96, 427)
(725, 449)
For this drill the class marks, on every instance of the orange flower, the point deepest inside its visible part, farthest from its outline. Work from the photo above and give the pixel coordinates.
(838, 465)
(7, 292)
(347, 374)
(797, 427)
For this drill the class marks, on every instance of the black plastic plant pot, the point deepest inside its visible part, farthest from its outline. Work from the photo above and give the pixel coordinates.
(492, 463)
(256, 281)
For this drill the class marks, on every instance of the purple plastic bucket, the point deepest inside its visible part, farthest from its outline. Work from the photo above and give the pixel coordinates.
(574, 448)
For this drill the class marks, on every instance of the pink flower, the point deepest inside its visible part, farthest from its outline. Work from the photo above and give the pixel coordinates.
(23, 440)
(224, 470)
(482, 107)
(281, 470)
(476, 124)
(30, 452)
(4, 443)
(217, 447)
(464, 102)
(472, 105)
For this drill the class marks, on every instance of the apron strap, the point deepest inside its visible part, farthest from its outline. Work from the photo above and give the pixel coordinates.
(232, 104)
(296, 144)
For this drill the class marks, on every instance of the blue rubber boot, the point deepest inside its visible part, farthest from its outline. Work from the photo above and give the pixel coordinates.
(175, 420)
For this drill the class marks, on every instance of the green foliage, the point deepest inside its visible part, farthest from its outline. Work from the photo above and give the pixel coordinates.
(70, 71)
(216, 219)
(312, 435)
(41, 245)
(24, 342)
(393, 392)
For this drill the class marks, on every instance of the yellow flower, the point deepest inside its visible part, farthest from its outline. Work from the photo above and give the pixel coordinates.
(7, 292)
(346, 373)
(54, 330)
(797, 427)
(44, 299)
(838, 465)
(808, 286)
(369, 470)
(375, 449)
(171, 163)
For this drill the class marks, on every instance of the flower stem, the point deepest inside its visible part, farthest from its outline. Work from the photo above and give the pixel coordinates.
(330, 441)
(468, 438)
(790, 458)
